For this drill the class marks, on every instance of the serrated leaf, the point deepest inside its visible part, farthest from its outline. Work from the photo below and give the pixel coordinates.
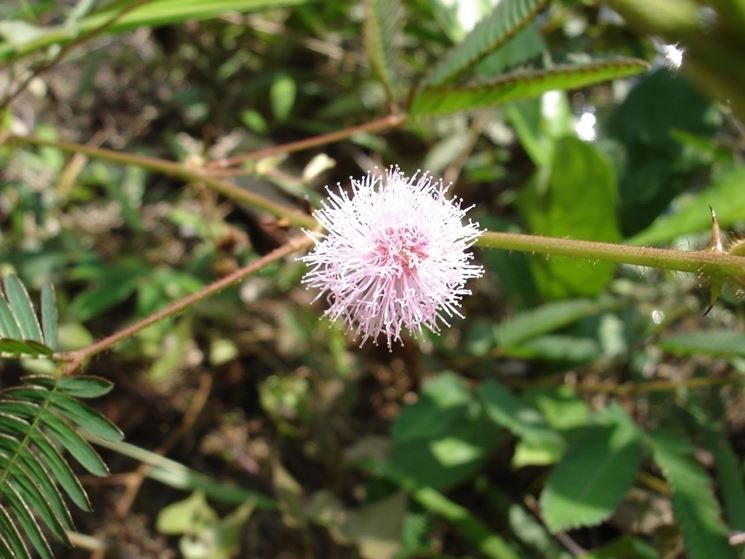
(593, 477)
(382, 27)
(695, 508)
(503, 23)
(22, 309)
(49, 315)
(717, 343)
(525, 422)
(438, 100)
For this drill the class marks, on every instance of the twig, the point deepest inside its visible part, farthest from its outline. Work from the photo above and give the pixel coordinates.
(173, 169)
(385, 123)
(76, 359)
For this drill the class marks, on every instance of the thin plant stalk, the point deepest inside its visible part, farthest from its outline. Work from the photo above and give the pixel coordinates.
(76, 359)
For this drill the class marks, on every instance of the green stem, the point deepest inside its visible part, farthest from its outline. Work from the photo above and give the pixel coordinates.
(705, 262)
(177, 170)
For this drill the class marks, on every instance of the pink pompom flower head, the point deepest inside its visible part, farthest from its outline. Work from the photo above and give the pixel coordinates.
(395, 255)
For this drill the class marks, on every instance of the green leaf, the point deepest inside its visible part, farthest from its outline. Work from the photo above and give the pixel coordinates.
(507, 18)
(49, 315)
(22, 309)
(8, 326)
(438, 100)
(691, 215)
(381, 34)
(547, 318)
(27, 522)
(593, 477)
(525, 422)
(717, 343)
(85, 386)
(151, 14)
(86, 418)
(282, 96)
(695, 508)
(558, 203)
(730, 478)
(75, 445)
(9, 530)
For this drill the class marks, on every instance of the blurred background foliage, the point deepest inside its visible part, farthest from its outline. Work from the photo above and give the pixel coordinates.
(580, 410)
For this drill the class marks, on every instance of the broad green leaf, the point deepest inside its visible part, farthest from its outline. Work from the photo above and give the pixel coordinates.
(22, 309)
(507, 18)
(525, 422)
(691, 214)
(717, 343)
(441, 399)
(552, 347)
(576, 198)
(443, 438)
(151, 14)
(49, 315)
(381, 34)
(694, 506)
(438, 100)
(532, 323)
(592, 478)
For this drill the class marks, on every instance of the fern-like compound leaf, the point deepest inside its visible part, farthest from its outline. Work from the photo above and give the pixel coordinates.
(38, 420)
(22, 332)
(503, 23)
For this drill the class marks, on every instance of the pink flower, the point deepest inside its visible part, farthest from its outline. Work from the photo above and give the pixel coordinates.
(394, 255)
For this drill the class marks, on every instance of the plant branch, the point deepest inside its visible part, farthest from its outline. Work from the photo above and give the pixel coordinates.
(705, 262)
(177, 170)
(385, 123)
(76, 359)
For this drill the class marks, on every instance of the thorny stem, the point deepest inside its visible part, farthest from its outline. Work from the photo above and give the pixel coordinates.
(76, 359)
(709, 263)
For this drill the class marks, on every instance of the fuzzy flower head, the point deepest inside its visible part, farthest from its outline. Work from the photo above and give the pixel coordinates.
(394, 255)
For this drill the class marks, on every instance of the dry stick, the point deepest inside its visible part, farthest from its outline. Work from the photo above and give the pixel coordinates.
(76, 359)
(385, 123)
(10, 97)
